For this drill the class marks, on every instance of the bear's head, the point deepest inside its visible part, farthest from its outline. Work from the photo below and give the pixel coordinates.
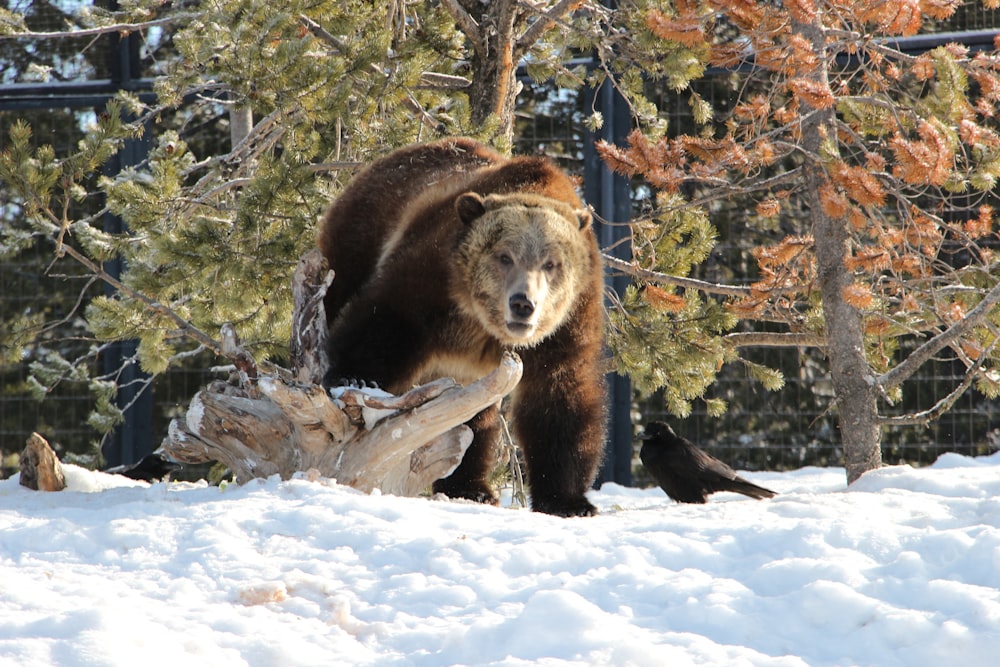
(521, 262)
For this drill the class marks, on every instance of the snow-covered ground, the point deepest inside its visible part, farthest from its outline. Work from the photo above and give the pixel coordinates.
(902, 569)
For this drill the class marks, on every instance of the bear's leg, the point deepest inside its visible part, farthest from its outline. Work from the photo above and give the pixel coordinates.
(471, 479)
(560, 426)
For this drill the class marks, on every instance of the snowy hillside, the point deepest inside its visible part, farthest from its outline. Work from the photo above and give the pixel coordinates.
(903, 569)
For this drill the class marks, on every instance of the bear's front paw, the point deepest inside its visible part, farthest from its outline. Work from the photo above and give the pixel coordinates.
(477, 494)
(564, 506)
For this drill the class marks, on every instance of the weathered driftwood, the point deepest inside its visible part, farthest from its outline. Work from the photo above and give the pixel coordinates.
(268, 421)
(308, 345)
(40, 467)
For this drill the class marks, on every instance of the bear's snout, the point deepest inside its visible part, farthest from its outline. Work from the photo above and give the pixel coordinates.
(521, 307)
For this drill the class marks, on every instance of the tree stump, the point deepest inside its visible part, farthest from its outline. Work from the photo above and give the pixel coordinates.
(268, 420)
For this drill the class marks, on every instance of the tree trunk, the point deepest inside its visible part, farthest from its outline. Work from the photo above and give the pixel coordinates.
(494, 83)
(270, 421)
(854, 383)
(497, 47)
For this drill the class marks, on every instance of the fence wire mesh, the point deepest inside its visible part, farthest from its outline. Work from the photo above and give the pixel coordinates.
(761, 430)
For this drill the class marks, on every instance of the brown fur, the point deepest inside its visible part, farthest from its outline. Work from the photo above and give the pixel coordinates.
(444, 255)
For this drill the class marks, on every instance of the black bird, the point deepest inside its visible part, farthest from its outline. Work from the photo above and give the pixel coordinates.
(150, 468)
(686, 473)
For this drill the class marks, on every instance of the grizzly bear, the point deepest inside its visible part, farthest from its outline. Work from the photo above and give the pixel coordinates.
(445, 254)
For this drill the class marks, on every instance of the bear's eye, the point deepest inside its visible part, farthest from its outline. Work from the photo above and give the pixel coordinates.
(550, 265)
(505, 259)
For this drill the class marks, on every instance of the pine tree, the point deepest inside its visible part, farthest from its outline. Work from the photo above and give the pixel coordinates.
(889, 158)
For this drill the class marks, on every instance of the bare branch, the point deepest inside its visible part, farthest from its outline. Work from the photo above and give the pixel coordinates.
(766, 339)
(922, 354)
(465, 22)
(927, 416)
(322, 33)
(92, 32)
(545, 21)
(664, 279)
(631, 269)
(333, 166)
(438, 81)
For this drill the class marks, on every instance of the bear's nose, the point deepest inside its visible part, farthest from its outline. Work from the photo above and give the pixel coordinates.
(521, 306)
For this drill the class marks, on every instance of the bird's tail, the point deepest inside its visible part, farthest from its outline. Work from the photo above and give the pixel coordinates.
(740, 485)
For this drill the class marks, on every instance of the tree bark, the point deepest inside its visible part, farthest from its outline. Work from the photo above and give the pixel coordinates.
(854, 383)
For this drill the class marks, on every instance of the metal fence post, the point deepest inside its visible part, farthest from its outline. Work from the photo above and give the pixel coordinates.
(610, 196)
(133, 438)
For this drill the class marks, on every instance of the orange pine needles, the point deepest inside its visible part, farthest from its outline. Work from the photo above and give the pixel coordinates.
(923, 67)
(833, 201)
(893, 17)
(769, 208)
(661, 299)
(928, 161)
(789, 249)
(661, 162)
(725, 152)
(858, 295)
(814, 93)
(980, 226)
(746, 14)
(803, 11)
(868, 258)
(860, 185)
(685, 29)
(756, 109)
(940, 9)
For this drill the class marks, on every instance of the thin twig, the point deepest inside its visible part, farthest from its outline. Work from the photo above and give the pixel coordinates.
(102, 30)
(769, 339)
(664, 279)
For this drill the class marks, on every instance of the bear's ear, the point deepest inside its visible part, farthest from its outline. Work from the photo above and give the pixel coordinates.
(583, 216)
(470, 207)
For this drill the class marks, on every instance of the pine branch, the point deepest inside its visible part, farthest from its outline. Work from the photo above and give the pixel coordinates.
(432, 79)
(98, 271)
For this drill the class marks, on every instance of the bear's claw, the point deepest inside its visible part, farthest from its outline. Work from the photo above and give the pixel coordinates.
(566, 507)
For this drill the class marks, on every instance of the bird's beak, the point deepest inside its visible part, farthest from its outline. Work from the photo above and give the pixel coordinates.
(644, 436)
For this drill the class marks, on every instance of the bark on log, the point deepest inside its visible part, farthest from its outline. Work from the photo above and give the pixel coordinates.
(268, 421)
(308, 345)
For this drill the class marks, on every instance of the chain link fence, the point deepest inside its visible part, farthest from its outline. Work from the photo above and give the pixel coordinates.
(761, 430)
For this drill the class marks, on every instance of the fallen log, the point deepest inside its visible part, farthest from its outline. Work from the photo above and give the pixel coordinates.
(266, 420)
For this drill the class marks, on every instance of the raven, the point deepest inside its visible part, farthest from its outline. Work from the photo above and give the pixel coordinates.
(151, 468)
(686, 473)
